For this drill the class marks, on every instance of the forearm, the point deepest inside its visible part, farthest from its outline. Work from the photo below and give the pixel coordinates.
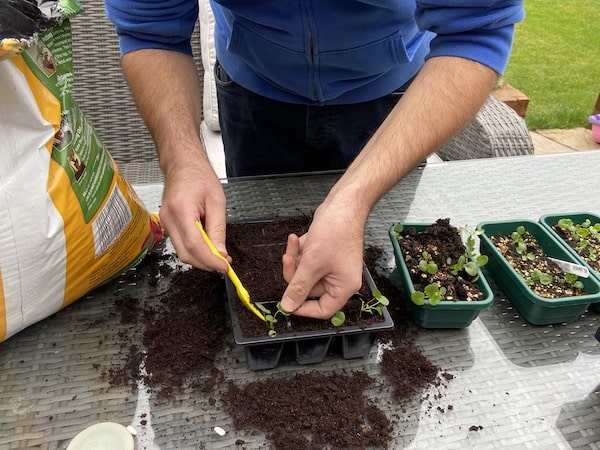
(445, 95)
(166, 89)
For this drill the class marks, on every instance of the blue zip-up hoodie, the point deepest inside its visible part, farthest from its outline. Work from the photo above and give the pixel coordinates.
(326, 51)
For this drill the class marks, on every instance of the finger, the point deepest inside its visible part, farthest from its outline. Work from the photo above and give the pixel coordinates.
(215, 226)
(217, 235)
(188, 250)
(190, 247)
(217, 257)
(291, 260)
(291, 257)
(324, 308)
(299, 288)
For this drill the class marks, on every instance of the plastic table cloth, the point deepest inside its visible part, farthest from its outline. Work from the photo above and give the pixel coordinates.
(528, 386)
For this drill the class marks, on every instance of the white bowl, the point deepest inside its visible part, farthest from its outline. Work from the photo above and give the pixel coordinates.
(103, 436)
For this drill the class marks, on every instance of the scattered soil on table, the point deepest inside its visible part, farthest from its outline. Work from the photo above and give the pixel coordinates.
(180, 332)
(524, 266)
(408, 371)
(333, 407)
(442, 241)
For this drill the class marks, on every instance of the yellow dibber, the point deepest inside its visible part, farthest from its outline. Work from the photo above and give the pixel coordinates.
(240, 289)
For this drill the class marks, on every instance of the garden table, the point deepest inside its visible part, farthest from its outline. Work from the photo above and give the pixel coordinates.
(526, 386)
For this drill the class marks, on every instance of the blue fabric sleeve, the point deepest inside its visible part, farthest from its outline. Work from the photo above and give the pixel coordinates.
(160, 24)
(478, 30)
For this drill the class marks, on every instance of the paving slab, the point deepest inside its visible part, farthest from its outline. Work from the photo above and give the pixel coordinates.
(543, 145)
(573, 139)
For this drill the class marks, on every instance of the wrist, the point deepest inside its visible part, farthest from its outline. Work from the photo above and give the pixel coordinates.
(349, 202)
(181, 157)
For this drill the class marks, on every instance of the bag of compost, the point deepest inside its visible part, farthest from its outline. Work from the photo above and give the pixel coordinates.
(69, 221)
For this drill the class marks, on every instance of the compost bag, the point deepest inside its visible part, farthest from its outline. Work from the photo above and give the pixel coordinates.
(69, 221)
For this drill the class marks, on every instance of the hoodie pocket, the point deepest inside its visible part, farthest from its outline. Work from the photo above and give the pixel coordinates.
(285, 68)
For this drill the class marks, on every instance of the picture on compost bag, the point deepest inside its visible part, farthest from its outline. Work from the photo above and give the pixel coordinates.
(63, 137)
(43, 58)
(76, 164)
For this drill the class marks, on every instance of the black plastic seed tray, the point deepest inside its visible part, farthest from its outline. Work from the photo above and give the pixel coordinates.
(306, 347)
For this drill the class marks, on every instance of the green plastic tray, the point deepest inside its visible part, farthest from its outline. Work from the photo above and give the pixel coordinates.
(549, 220)
(534, 309)
(446, 314)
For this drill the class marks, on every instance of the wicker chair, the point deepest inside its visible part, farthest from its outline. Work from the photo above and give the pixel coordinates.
(101, 92)
(497, 130)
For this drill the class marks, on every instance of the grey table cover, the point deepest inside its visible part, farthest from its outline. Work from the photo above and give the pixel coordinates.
(527, 386)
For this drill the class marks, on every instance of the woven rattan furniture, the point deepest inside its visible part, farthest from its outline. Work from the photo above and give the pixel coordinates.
(497, 130)
(101, 92)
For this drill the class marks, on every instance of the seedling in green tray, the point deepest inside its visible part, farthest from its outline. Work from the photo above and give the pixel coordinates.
(583, 233)
(520, 238)
(432, 302)
(434, 293)
(517, 238)
(427, 265)
(470, 262)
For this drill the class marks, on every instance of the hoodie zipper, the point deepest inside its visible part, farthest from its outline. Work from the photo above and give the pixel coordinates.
(311, 50)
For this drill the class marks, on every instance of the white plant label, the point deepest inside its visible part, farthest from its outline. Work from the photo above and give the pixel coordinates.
(570, 267)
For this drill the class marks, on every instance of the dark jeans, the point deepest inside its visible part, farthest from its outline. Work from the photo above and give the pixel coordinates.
(264, 137)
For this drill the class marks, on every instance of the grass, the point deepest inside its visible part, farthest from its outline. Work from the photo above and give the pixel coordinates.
(555, 60)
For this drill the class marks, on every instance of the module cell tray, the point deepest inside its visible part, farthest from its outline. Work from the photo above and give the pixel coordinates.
(307, 346)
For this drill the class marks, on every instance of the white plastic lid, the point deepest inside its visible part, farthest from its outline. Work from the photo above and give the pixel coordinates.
(103, 436)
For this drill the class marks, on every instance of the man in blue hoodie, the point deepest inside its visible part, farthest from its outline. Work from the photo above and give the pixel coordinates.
(370, 86)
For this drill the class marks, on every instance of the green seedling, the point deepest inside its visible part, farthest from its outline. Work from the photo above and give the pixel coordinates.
(469, 262)
(337, 319)
(574, 280)
(518, 240)
(427, 264)
(397, 231)
(433, 293)
(582, 233)
(271, 318)
(374, 304)
(537, 276)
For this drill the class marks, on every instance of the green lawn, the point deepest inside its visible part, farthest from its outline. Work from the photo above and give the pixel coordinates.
(556, 62)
